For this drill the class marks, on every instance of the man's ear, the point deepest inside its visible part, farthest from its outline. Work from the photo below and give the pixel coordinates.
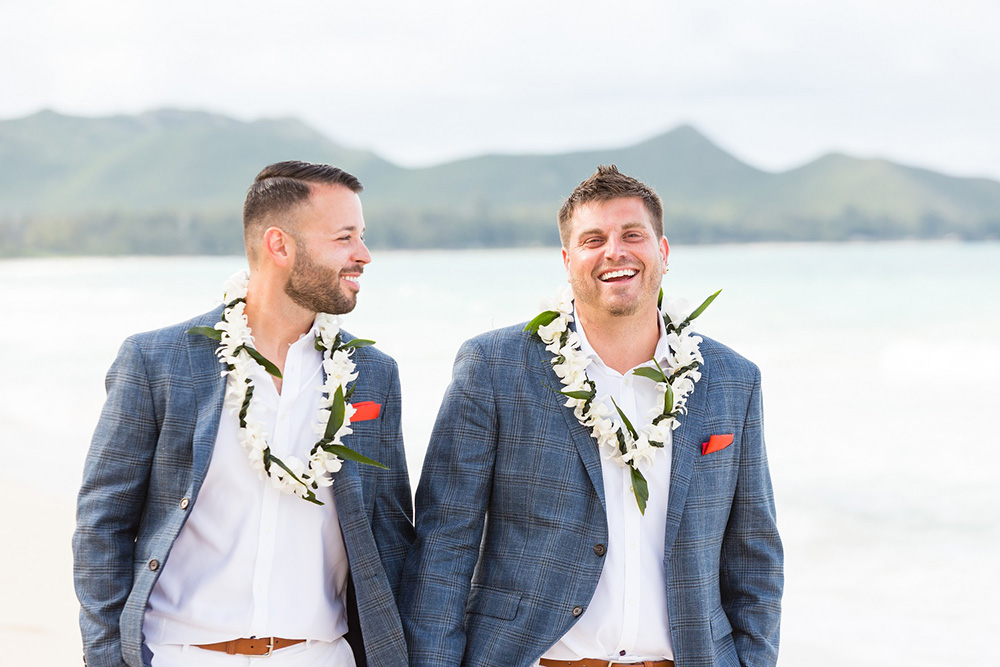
(278, 246)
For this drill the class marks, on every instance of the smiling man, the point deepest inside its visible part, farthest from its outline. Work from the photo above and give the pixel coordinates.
(596, 490)
(256, 509)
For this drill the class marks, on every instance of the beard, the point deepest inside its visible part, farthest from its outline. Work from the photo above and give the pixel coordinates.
(317, 288)
(586, 292)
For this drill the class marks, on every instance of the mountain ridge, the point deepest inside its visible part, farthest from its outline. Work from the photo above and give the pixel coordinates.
(63, 177)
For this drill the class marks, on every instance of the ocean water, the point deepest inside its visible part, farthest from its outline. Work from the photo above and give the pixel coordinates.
(879, 362)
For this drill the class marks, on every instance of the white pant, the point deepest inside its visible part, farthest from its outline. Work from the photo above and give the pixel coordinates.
(306, 654)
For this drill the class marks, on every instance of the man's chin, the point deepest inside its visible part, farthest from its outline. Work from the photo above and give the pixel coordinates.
(343, 306)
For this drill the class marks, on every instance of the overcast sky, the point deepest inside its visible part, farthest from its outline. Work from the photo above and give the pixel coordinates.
(777, 82)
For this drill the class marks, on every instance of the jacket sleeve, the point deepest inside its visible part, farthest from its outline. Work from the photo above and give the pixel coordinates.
(451, 503)
(110, 506)
(392, 525)
(751, 576)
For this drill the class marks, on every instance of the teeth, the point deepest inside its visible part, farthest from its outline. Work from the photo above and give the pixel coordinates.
(353, 279)
(621, 273)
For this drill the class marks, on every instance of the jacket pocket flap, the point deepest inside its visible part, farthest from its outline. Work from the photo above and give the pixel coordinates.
(494, 602)
(720, 624)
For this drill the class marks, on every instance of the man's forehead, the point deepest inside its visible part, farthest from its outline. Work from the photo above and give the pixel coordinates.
(625, 212)
(334, 205)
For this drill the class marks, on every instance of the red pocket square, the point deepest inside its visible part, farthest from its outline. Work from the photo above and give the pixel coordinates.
(716, 442)
(370, 410)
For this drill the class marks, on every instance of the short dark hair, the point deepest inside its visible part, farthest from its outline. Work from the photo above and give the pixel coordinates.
(605, 184)
(282, 186)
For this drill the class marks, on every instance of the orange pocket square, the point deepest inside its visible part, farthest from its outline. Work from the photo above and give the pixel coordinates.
(716, 442)
(366, 410)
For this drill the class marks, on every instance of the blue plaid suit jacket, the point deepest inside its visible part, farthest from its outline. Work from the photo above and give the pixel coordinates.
(146, 464)
(511, 504)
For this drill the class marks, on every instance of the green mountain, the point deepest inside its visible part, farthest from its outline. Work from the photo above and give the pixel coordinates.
(161, 160)
(173, 181)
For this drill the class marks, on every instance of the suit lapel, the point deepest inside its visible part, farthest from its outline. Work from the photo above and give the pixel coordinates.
(684, 451)
(350, 480)
(209, 392)
(584, 442)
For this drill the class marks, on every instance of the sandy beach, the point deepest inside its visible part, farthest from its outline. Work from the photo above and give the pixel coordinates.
(38, 617)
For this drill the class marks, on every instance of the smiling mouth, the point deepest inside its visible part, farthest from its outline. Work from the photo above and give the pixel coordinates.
(354, 280)
(617, 275)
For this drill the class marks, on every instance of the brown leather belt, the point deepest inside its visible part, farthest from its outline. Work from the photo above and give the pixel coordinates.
(257, 646)
(592, 662)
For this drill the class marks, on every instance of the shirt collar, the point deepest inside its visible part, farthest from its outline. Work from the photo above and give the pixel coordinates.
(309, 335)
(660, 353)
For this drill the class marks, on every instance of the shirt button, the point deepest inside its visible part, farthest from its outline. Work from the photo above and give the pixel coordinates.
(154, 565)
(184, 503)
(600, 549)
(577, 610)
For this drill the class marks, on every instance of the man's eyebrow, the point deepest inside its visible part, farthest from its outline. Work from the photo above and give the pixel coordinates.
(599, 231)
(349, 228)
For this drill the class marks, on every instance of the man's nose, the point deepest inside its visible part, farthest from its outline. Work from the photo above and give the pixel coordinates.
(614, 248)
(362, 256)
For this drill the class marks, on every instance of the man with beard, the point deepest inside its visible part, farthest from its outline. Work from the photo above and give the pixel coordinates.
(596, 491)
(259, 506)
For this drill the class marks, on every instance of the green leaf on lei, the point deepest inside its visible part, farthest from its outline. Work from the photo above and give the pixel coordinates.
(628, 424)
(275, 459)
(357, 342)
(260, 359)
(543, 319)
(350, 455)
(337, 411)
(701, 309)
(640, 488)
(653, 374)
(210, 332)
(578, 395)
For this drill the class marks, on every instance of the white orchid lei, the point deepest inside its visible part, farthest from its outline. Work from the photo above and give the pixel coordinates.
(237, 353)
(622, 442)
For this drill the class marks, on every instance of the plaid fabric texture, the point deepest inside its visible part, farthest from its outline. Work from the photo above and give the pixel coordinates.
(511, 505)
(146, 464)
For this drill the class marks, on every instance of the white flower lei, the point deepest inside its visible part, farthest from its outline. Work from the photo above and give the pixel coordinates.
(333, 419)
(625, 444)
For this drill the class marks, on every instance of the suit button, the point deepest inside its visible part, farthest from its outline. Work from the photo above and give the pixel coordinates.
(154, 565)
(577, 610)
(600, 549)
(184, 503)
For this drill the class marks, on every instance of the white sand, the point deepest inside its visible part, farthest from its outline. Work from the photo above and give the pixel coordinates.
(38, 617)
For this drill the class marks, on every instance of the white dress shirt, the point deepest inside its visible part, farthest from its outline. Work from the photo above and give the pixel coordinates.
(626, 621)
(252, 561)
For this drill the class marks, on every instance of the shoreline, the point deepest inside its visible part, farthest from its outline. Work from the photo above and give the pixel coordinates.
(38, 620)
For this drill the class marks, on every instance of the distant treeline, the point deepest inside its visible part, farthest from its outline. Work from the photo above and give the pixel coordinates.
(171, 181)
(171, 233)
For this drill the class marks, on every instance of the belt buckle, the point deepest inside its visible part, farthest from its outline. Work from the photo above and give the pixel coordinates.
(270, 646)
